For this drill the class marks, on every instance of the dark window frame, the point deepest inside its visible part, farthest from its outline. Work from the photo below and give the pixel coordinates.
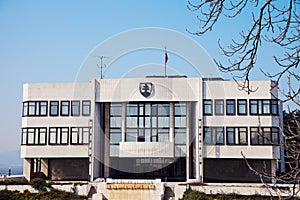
(115, 111)
(237, 135)
(62, 108)
(58, 136)
(260, 136)
(253, 102)
(51, 106)
(36, 136)
(115, 131)
(83, 106)
(272, 107)
(231, 105)
(146, 116)
(205, 104)
(216, 104)
(37, 107)
(74, 106)
(25, 109)
(274, 102)
(80, 131)
(242, 104)
(214, 135)
(267, 103)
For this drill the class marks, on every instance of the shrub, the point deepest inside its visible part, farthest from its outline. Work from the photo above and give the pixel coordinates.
(194, 195)
(39, 184)
(11, 195)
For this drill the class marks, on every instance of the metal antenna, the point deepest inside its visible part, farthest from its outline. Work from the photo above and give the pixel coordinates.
(101, 65)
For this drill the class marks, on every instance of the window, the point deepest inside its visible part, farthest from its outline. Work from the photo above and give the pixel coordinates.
(86, 108)
(24, 136)
(207, 104)
(58, 135)
(25, 109)
(264, 106)
(180, 142)
(54, 106)
(31, 111)
(115, 109)
(115, 136)
(243, 136)
(219, 107)
(42, 106)
(242, 106)
(163, 135)
(274, 106)
(180, 136)
(34, 136)
(264, 135)
(35, 108)
(179, 109)
(179, 115)
(236, 136)
(115, 129)
(80, 135)
(253, 107)
(214, 135)
(147, 122)
(131, 135)
(75, 108)
(37, 164)
(64, 108)
(230, 107)
(275, 135)
(230, 135)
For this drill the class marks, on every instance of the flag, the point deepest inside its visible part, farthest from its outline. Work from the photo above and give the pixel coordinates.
(166, 57)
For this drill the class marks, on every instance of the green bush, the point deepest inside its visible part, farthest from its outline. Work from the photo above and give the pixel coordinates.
(51, 195)
(39, 184)
(196, 195)
(10, 195)
(13, 182)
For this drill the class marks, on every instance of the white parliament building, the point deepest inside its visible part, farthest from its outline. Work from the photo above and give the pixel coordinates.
(171, 128)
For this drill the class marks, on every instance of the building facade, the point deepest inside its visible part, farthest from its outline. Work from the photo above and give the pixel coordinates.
(173, 128)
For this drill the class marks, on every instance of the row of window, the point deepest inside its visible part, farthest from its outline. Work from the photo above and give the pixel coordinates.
(146, 122)
(239, 135)
(55, 136)
(56, 108)
(239, 106)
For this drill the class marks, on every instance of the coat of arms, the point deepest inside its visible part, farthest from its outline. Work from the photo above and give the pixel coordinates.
(146, 89)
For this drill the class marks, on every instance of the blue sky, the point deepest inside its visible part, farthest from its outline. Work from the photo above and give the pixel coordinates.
(47, 41)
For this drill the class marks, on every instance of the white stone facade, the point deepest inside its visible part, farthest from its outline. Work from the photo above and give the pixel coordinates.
(163, 127)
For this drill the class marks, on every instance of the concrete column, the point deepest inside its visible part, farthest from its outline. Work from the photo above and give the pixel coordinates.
(123, 122)
(200, 142)
(172, 132)
(27, 168)
(273, 169)
(106, 141)
(44, 166)
(187, 141)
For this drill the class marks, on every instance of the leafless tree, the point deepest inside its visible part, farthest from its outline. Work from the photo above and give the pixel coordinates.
(274, 22)
(292, 161)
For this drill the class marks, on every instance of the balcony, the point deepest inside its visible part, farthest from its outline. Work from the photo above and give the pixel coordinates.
(255, 152)
(146, 149)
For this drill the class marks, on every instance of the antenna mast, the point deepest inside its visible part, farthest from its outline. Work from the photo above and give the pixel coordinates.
(101, 65)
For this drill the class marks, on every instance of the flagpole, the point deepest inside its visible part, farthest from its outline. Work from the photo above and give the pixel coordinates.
(165, 69)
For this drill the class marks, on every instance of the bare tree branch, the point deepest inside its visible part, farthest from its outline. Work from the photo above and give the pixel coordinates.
(273, 22)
